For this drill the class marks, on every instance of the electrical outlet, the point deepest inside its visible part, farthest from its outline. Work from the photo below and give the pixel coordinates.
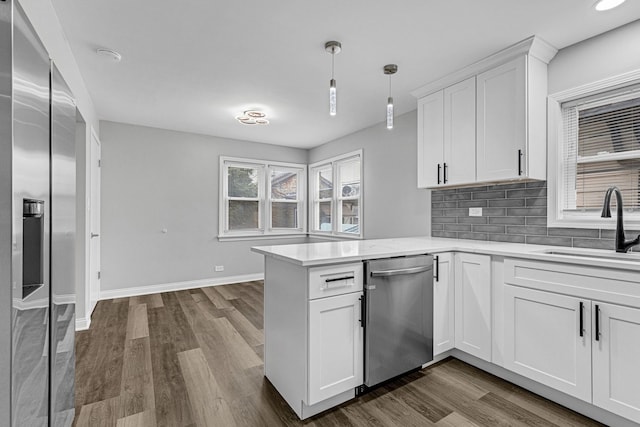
(475, 211)
(219, 268)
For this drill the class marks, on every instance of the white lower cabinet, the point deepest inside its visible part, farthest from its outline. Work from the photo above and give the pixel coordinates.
(584, 348)
(616, 360)
(335, 346)
(443, 303)
(473, 304)
(543, 339)
(313, 341)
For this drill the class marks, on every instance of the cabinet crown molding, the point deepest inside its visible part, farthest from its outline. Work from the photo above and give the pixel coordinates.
(533, 46)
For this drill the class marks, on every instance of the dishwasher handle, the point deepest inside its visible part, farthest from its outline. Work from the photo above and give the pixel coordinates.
(412, 270)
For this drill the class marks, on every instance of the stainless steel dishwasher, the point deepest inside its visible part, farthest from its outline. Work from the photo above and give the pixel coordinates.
(398, 313)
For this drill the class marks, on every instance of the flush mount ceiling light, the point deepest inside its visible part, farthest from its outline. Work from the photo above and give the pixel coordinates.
(334, 48)
(253, 117)
(602, 5)
(109, 53)
(255, 114)
(390, 69)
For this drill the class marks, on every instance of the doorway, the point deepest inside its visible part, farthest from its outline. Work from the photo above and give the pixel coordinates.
(94, 219)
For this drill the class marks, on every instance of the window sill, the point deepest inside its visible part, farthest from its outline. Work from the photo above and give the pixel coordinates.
(240, 237)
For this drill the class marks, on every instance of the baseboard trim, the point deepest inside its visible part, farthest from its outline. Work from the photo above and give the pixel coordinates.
(83, 323)
(177, 286)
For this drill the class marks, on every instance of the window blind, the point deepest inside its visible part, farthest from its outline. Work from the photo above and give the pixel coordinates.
(601, 149)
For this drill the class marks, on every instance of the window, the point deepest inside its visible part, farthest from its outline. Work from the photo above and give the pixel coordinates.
(596, 146)
(261, 198)
(336, 196)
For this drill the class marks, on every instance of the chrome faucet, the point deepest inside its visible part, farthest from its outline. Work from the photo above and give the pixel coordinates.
(621, 244)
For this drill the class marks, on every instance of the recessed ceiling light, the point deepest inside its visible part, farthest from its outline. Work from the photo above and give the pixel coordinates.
(109, 53)
(602, 5)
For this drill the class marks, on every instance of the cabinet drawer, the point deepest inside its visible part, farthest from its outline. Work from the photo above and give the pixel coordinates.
(335, 280)
(583, 281)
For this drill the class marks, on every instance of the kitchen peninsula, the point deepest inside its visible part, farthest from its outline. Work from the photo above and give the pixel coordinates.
(484, 294)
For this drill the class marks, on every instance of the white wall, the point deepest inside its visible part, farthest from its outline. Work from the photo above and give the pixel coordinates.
(393, 205)
(154, 179)
(607, 55)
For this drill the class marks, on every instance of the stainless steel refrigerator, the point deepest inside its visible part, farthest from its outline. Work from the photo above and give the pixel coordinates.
(37, 230)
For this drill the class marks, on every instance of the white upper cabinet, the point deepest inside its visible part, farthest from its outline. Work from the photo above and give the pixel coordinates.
(501, 121)
(447, 132)
(492, 122)
(511, 105)
(459, 165)
(430, 130)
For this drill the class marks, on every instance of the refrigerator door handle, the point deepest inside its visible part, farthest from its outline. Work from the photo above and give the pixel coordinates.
(413, 270)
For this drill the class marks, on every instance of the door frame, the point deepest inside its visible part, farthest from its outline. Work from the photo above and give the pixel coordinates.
(93, 288)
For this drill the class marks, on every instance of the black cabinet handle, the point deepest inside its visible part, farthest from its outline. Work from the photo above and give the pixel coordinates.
(519, 162)
(444, 173)
(337, 279)
(362, 308)
(581, 319)
(438, 173)
(437, 262)
(597, 322)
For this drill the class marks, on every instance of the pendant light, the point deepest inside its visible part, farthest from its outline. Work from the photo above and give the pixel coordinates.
(389, 70)
(333, 47)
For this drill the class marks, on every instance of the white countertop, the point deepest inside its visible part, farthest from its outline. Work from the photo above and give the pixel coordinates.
(334, 252)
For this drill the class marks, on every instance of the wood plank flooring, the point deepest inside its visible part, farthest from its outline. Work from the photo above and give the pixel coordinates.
(194, 358)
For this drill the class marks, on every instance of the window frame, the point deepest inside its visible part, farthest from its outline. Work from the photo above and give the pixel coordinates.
(588, 93)
(264, 199)
(336, 199)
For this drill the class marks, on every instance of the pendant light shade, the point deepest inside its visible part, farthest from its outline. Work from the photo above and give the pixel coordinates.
(390, 113)
(333, 97)
(389, 70)
(333, 47)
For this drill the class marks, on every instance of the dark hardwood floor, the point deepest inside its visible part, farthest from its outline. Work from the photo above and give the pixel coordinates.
(194, 358)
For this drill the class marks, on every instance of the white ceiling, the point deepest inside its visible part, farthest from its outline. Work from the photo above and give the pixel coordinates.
(193, 65)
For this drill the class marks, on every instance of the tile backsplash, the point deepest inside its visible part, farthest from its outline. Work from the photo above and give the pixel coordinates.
(514, 213)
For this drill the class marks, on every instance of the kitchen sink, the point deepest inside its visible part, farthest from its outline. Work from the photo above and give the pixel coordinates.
(594, 254)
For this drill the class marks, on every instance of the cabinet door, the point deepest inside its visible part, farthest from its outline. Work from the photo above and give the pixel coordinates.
(460, 133)
(473, 304)
(430, 139)
(616, 360)
(443, 304)
(542, 339)
(335, 346)
(501, 106)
